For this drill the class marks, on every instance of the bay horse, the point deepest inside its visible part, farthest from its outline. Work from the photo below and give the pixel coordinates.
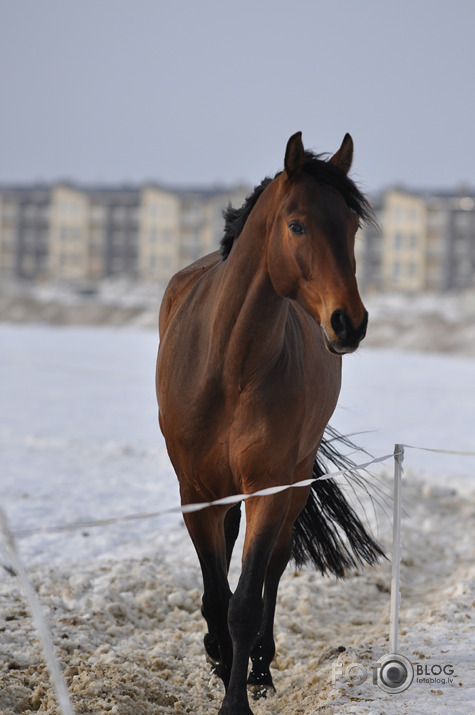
(248, 376)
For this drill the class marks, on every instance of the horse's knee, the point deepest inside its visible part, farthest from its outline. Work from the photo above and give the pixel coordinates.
(214, 603)
(245, 615)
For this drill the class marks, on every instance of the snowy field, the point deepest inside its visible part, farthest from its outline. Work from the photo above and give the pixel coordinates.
(79, 442)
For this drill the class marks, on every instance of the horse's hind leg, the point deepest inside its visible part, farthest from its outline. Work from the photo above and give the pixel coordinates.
(206, 529)
(212, 638)
(232, 521)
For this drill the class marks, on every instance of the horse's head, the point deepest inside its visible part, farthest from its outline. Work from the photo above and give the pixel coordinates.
(310, 251)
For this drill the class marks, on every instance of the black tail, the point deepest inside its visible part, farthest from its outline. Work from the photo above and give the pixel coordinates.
(320, 530)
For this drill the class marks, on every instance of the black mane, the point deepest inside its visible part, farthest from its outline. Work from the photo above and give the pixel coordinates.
(322, 171)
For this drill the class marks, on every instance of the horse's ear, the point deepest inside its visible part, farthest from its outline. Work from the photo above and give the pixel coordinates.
(294, 156)
(344, 155)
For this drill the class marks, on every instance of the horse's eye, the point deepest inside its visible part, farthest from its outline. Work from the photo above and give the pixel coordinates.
(297, 228)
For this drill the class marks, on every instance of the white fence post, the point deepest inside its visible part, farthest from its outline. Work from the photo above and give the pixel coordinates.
(396, 555)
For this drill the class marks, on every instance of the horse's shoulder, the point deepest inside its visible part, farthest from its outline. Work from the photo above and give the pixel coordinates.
(181, 284)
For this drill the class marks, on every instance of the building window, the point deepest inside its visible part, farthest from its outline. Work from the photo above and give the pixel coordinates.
(10, 210)
(462, 220)
(133, 215)
(118, 214)
(9, 236)
(98, 213)
(461, 246)
(398, 241)
(30, 211)
(29, 238)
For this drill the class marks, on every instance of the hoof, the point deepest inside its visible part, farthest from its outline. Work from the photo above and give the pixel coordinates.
(213, 658)
(214, 664)
(261, 690)
(218, 669)
(232, 709)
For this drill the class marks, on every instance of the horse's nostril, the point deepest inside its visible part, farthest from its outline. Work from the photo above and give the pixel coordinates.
(344, 329)
(341, 324)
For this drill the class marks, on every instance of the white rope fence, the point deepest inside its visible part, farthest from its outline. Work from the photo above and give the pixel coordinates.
(9, 539)
(199, 506)
(233, 499)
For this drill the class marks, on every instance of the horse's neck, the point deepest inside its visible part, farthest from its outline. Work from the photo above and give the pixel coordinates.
(250, 317)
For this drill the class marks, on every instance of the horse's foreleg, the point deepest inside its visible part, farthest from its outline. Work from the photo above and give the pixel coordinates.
(259, 682)
(207, 533)
(265, 517)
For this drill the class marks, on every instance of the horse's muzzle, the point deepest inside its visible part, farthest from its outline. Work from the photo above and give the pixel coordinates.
(346, 337)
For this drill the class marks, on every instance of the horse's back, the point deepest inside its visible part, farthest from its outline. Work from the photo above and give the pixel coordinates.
(181, 284)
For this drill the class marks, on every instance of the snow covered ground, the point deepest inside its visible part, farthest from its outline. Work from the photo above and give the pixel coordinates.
(79, 441)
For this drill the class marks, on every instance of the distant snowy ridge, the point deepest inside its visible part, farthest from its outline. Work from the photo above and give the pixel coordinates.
(443, 322)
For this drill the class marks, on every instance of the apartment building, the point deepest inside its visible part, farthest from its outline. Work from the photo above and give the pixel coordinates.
(68, 244)
(405, 242)
(426, 242)
(64, 232)
(369, 250)
(159, 249)
(24, 232)
(113, 237)
(451, 245)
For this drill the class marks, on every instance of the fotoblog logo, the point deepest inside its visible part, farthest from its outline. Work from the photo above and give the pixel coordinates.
(393, 673)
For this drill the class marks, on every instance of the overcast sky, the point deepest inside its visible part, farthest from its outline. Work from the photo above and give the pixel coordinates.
(208, 91)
